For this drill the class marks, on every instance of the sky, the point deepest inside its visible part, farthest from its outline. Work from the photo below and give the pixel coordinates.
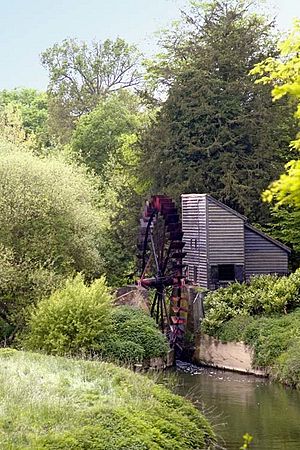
(27, 27)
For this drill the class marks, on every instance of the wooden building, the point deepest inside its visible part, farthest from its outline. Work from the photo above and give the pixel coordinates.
(221, 246)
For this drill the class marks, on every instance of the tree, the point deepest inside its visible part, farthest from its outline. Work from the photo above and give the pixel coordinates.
(81, 74)
(50, 227)
(106, 140)
(97, 134)
(123, 190)
(282, 74)
(217, 132)
(30, 108)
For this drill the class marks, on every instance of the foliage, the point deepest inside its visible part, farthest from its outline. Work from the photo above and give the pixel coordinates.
(270, 337)
(121, 350)
(264, 295)
(232, 329)
(287, 367)
(74, 320)
(11, 127)
(80, 320)
(32, 105)
(217, 131)
(52, 402)
(50, 226)
(136, 326)
(106, 140)
(275, 341)
(265, 315)
(123, 190)
(282, 74)
(97, 135)
(247, 441)
(82, 74)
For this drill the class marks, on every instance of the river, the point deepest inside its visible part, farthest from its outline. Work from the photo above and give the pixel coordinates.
(237, 404)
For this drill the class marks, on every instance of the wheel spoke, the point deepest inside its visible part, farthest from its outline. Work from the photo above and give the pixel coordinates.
(160, 241)
(154, 254)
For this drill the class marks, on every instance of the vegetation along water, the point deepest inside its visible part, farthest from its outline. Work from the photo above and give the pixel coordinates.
(216, 111)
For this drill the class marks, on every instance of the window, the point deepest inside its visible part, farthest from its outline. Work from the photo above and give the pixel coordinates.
(226, 272)
(193, 243)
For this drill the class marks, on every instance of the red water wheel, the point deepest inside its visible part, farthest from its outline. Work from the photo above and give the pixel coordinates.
(161, 265)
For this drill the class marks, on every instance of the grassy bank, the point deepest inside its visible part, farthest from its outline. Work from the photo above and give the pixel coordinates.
(265, 315)
(53, 403)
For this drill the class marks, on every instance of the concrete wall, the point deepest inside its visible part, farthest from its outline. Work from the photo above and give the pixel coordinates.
(235, 356)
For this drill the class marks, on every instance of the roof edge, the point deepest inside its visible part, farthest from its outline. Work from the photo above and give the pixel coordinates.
(219, 203)
(269, 238)
(244, 218)
(222, 205)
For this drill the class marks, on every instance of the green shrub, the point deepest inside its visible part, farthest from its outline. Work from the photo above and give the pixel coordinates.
(265, 314)
(135, 336)
(270, 337)
(275, 341)
(287, 366)
(80, 319)
(50, 227)
(264, 295)
(73, 320)
(234, 329)
(122, 314)
(132, 324)
(124, 351)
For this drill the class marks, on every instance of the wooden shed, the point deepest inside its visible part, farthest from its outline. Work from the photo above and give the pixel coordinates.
(221, 246)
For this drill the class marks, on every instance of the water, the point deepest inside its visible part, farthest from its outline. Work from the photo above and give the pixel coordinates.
(239, 404)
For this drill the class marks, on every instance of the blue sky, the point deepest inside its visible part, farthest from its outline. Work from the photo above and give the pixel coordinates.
(30, 26)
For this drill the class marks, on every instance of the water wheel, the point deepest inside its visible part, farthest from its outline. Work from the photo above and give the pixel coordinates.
(161, 256)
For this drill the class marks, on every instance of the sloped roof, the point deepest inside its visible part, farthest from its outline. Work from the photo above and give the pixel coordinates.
(244, 218)
(269, 238)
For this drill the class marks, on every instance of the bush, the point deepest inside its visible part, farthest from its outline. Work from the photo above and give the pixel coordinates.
(275, 341)
(80, 319)
(264, 295)
(123, 351)
(234, 329)
(74, 320)
(271, 336)
(50, 227)
(287, 366)
(135, 336)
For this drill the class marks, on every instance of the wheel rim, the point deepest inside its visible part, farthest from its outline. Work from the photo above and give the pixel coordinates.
(161, 269)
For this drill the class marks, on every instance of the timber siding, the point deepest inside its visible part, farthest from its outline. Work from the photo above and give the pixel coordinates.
(220, 241)
(225, 236)
(262, 256)
(195, 236)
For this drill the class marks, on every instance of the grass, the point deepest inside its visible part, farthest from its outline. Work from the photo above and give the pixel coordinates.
(50, 402)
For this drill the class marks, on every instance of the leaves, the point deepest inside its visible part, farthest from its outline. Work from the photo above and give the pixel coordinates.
(217, 132)
(82, 74)
(50, 226)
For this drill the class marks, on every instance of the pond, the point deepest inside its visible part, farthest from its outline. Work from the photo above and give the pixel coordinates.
(239, 404)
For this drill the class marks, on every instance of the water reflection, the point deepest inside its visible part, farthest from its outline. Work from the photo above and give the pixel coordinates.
(243, 403)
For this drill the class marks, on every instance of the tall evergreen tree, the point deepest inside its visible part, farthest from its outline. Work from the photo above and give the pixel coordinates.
(217, 131)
